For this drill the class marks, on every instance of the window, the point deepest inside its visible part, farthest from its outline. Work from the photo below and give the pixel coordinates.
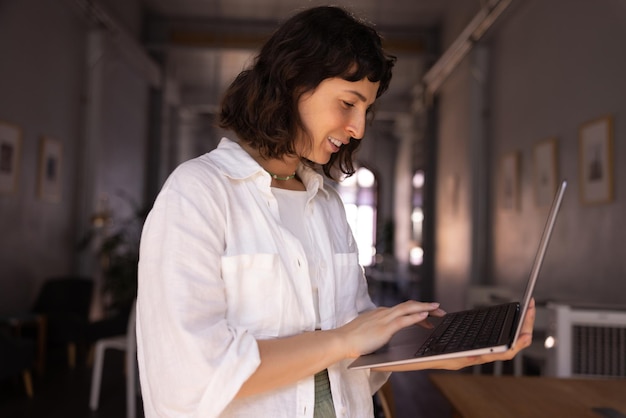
(359, 194)
(416, 255)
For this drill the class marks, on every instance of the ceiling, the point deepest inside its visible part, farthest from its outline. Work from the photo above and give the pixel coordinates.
(206, 43)
(382, 12)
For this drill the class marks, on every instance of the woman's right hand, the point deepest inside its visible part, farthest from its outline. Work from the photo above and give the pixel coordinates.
(373, 329)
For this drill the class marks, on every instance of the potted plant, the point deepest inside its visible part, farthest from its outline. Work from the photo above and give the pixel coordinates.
(115, 241)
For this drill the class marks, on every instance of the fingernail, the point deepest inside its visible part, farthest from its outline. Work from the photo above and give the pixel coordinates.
(435, 305)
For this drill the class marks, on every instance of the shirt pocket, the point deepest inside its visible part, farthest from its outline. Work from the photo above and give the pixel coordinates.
(257, 293)
(349, 284)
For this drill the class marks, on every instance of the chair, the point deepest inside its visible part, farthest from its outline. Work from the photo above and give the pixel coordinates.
(384, 404)
(113, 325)
(65, 302)
(16, 357)
(587, 341)
(127, 343)
(22, 323)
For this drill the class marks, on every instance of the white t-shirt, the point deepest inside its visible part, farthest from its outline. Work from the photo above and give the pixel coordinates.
(292, 207)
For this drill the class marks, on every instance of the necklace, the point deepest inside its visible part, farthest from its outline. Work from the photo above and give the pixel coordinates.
(281, 178)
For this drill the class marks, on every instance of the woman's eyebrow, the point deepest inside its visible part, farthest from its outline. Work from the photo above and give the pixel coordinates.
(357, 94)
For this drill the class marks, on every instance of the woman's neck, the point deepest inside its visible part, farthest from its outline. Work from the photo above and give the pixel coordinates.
(282, 171)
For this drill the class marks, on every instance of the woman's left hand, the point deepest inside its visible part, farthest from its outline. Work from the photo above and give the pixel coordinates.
(524, 340)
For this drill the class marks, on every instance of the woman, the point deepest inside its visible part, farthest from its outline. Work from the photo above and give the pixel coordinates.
(251, 300)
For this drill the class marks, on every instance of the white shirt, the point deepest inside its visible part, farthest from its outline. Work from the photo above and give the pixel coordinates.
(217, 271)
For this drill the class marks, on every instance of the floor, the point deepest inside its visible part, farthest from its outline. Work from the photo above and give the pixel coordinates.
(64, 393)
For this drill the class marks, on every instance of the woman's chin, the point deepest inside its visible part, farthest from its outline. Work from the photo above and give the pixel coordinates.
(320, 159)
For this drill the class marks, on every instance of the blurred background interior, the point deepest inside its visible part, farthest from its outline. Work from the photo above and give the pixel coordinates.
(491, 104)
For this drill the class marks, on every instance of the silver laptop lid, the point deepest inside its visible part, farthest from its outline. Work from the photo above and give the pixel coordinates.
(541, 252)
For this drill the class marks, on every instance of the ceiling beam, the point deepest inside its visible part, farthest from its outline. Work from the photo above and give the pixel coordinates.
(216, 40)
(251, 34)
(473, 32)
(221, 40)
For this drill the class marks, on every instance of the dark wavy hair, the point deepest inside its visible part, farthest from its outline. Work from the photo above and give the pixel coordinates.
(261, 105)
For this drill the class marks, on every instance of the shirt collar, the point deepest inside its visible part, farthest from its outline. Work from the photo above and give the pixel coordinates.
(237, 164)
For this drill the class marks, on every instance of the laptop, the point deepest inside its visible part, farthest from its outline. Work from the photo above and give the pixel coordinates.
(484, 330)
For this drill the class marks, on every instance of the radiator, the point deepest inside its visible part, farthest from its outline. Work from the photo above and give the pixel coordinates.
(598, 350)
(588, 342)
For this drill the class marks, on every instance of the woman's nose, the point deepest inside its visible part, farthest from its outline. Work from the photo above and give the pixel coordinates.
(356, 126)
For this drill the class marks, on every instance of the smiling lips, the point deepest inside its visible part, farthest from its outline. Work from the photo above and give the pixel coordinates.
(337, 143)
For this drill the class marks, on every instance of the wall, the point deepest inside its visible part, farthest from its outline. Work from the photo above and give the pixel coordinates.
(453, 206)
(40, 91)
(553, 66)
(548, 81)
(43, 90)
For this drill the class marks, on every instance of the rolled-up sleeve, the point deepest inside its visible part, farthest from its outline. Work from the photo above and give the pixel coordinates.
(364, 303)
(187, 352)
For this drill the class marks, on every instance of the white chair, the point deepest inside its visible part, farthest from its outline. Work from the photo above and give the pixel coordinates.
(486, 295)
(127, 343)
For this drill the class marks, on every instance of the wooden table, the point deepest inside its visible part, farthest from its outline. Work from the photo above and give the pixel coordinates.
(483, 396)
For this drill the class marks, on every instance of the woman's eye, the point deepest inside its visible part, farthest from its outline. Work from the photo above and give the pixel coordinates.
(348, 104)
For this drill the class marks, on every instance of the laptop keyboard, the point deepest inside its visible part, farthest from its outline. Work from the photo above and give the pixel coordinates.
(466, 330)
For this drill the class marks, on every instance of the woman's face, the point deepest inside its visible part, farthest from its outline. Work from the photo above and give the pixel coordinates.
(332, 114)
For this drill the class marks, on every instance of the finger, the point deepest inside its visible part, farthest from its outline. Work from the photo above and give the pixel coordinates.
(426, 324)
(412, 306)
(405, 314)
(410, 319)
(413, 312)
(529, 319)
(438, 313)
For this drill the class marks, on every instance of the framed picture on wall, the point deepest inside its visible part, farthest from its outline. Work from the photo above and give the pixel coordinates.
(596, 160)
(50, 159)
(10, 142)
(509, 181)
(545, 171)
